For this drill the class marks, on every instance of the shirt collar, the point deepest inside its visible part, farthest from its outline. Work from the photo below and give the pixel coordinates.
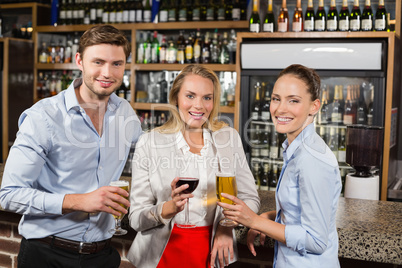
(184, 147)
(72, 102)
(289, 150)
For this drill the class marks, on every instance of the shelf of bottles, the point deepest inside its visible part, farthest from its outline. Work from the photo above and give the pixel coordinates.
(339, 15)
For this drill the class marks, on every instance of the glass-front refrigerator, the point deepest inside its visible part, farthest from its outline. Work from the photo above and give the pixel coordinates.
(353, 82)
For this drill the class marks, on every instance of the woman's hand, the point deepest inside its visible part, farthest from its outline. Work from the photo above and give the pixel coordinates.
(178, 201)
(223, 246)
(251, 235)
(239, 212)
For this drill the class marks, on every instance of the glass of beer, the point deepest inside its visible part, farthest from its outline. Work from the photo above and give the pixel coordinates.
(192, 185)
(226, 183)
(118, 230)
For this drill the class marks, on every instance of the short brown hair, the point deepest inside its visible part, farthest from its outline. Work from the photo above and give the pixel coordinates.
(308, 76)
(104, 34)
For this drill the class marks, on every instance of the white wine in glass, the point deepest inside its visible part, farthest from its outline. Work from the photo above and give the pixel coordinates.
(118, 230)
(226, 183)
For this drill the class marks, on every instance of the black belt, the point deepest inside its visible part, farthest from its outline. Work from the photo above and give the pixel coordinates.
(75, 246)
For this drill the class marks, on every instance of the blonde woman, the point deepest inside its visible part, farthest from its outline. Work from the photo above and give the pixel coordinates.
(192, 141)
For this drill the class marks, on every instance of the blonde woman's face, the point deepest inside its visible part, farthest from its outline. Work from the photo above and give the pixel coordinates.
(195, 100)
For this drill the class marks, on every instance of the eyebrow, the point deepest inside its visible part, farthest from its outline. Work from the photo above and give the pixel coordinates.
(290, 96)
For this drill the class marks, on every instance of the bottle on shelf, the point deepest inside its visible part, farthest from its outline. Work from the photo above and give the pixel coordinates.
(206, 53)
(265, 178)
(332, 17)
(320, 18)
(196, 15)
(228, 9)
(171, 55)
(126, 11)
(349, 116)
(273, 148)
(140, 49)
(163, 89)
(361, 115)
(236, 10)
(342, 147)
(43, 53)
(257, 175)
(220, 11)
(256, 109)
(254, 21)
(112, 11)
(254, 141)
(380, 21)
(172, 15)
(283, 18)
(211, 11)
(297, 23)
(62, 14)
(147, 13)
(119, 12)
(265, 112)
(370, 108)
(337, 108)
(344, 17)
(68, 51)
(99, 11)
(269, 20)
(183, 11)
(367, 17)
(180, 48)
(273, 178)
(333, 142)
(163, 11)
(224, 51)
(189, 49)
(214, 48)
(231, 91)
(309, 17)
(232, 46)
(323, 114)
(197, 47)
(264, 143)
(155, 48)
(355, 17)
(148, 49)
(163, 51)
(139, 11)
(92, 12)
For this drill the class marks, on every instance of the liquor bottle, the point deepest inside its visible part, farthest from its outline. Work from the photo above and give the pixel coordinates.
(344, 17)
(309, 17)
(224, 51)
(337, 108)
(355, 17)
(220, 11)
(112, 11)
(320, 17)
(273, 179)
(332, 21)
(155, 48)
(243, 9)
(139, 8)
(273, 148)
(370, 109)
(342, 147)
(264, 143)
(74, 47)
(196, 16)
(265, 178)
(257, 176)
(140, 49)
(265, 113)
(349, 117)
(256, 109)
(361, 116)
(231, 92)
(367, 17)
(163, 11)
(283, 18)
(269, 20)
(171, 55)
(254, 22)
(203, 10)
(254, 141)
(183, 11)
(180, 48)
(172, 15)
(380, 23)
(236, 10)
(189, 50)
(232, 47)
(147, 14)
(297, 23)
(214, 48)
(206, 53)
(197, 47)
(228, 9)
(68, 51)
(43, 53)
(211, 10)
(323, 114)
(333, 142)
(163, 51)
(163, 89)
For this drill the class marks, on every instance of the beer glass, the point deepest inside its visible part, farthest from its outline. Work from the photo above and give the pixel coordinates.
(118, 230)
(226, 183)
(192, 185)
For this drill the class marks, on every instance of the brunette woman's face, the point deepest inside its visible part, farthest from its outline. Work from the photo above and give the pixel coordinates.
(291, 106)
(195, 100)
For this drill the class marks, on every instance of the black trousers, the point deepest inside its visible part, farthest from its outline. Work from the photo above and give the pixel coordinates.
(35, 254)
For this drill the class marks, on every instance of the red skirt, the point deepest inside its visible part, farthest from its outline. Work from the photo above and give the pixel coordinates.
(187, 248)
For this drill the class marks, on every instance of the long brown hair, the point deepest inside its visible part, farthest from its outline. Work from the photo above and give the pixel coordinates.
(175, 123)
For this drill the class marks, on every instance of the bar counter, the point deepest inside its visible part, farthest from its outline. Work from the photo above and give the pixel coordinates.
(368, 230)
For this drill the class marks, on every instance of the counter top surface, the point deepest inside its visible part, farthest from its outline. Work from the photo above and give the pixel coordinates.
(368, 230)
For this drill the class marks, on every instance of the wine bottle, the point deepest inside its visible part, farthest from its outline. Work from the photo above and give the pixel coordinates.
(206, 53)
(370, 109)
(163, 11)
(344, 17)
(265, 112)
(214, 48)
(264, 143)
(320, 17)
(196, 16)
(211, 10)
(361, 116)
(172, 15)
(349, 116)
(189, 50)
(380, 23)
(236, 11)
(112, 11)
(337, 109)
(355, 17)
(228, 9)
(119, 11)
(324, 110)
(257, 177)
(163, 51)
(183, 11)
(139, 11)
(203, 10)
(147, 14)
(273, 148)
(333, 141)
(274, 178)
(309, 17)
(265, 178)
(220, 11)
(332, 21)
(171, 55)
(283, 18)
(297, 23)
(367, 17)
(269, 20)
(147, 49)
(126, 11)
(256, 109)
(254, 22)
(197, 47)
(92, 11)
(155, 48)
(140, 49)
(180, 48)
(224, 51)
(342, 147)
(254, 141)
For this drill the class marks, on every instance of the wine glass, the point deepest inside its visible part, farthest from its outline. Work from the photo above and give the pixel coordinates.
(192, 185)
(226, 183)
(117, 230)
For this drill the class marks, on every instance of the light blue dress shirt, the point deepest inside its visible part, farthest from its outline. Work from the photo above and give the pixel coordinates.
(306, 202)
(57, 152)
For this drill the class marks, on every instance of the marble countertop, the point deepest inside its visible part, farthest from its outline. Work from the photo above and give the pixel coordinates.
(368, 230)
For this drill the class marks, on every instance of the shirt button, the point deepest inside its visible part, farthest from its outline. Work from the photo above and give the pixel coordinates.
(100, 167)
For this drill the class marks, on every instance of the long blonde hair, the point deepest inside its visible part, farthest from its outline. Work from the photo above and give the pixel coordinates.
(175, 123)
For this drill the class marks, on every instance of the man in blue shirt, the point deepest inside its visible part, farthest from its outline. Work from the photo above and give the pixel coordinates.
(68, 149)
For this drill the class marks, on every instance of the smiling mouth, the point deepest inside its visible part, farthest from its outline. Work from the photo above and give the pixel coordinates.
(104, 83)
(283, 119)
(196, 115)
